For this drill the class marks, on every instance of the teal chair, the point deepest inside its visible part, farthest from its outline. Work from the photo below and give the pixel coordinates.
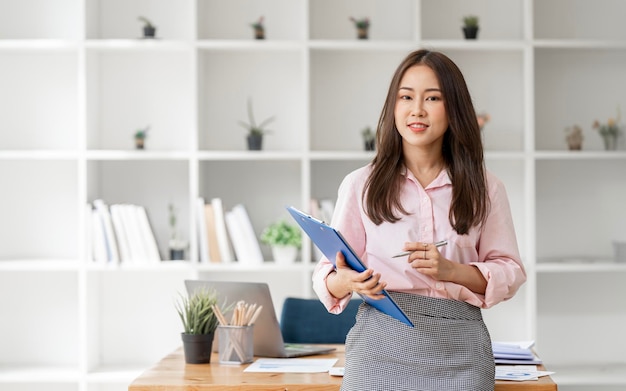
(306, 321)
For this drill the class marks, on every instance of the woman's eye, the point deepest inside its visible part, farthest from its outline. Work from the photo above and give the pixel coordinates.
(405, 97)
(433, 98)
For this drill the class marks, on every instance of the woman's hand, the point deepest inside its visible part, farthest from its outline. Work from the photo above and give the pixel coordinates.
(427, 259)
(344, 280)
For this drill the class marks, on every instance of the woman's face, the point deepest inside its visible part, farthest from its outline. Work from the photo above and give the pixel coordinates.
(420, 113)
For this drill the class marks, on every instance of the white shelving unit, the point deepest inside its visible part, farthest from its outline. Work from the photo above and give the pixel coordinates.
(77, 81)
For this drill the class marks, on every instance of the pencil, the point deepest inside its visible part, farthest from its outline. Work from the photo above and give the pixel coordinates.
(405, 253)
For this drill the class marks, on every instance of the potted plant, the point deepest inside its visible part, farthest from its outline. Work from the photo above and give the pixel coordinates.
(362, 27)
(609, 131)
(149, 30)
(285, 239)
(140, 137)
(259, 29)
(176, 244)
(199, 324)
(255, 131)
(470, 26)
(369, 139)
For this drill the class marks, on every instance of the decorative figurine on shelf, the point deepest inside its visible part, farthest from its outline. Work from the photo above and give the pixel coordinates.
(470, 26)
(369, 139)
(255, 132)
(149, 30)
(362, 27)
(610, 131)
(140, 137)
(574, 137)
(259, 29)
(176, 244)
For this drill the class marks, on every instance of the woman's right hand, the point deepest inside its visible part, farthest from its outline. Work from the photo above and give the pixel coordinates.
(346, 280)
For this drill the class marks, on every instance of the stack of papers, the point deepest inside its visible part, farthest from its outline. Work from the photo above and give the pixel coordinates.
(515, 353)
(519, 372)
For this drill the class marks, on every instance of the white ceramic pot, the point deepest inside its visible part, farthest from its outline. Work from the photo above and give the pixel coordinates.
(284, 255)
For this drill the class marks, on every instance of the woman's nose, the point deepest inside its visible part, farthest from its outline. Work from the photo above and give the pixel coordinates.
(418, 109)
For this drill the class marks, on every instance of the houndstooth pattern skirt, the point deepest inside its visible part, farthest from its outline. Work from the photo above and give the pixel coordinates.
(448, 349)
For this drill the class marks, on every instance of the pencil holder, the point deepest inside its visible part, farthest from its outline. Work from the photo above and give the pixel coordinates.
(236, 344)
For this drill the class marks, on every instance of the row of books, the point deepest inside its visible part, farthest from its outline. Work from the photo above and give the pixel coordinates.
(226, 235)
(120, 233)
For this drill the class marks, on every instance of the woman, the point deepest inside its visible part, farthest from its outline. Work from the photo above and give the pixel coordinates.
(427, 183)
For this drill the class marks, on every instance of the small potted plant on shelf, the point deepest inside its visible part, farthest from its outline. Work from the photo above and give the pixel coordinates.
(140, 137)
(259, 29)
(176, 244)
(285, 239)
(470, 26)
(369, 139)
(199, 321)
(255, 131)
(609, 131)
(362, 26)
(149, 30)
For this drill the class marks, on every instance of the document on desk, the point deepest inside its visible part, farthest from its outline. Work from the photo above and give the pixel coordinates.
(519, 372)
(291, 365)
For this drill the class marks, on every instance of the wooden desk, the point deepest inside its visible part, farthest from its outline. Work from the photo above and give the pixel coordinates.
(172, 374)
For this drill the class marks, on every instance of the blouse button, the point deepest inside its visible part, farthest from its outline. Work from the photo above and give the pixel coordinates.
(439, 285)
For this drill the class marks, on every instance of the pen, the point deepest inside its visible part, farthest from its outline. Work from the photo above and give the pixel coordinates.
(405, 253)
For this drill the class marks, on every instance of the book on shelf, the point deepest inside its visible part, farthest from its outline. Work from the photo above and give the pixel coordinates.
(110, 241)
(120, 230)
(202, 228)
(97, 237)
(243, 237)
(212, 240)
(122, 233)
(224, 244)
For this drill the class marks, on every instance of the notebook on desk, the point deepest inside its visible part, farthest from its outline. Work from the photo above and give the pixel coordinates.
(268, 339)
(330, 242)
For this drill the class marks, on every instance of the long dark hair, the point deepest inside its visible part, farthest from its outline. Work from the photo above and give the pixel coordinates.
(462, 150)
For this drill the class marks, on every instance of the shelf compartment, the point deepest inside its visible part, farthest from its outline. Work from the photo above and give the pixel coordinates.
(254, 184)
(566, 337)
(271, 80)
(566, 228)
(283, 19)
(48, 198)
(348, 90)
(151, 184)
(579, 19)
(561, 74)
(37, 19)
(46, 335)
(342, 105)
(39, 99)
(122, 313)
(496, 82)
(117, 19)
(497, 19)
(330, 19)
(159, 96)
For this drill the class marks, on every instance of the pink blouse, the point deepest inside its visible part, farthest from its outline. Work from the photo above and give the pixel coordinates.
(492, 248)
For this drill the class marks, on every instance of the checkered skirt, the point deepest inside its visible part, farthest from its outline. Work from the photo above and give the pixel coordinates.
(448, 349)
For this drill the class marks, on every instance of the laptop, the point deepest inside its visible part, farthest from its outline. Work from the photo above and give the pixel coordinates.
(268, 339)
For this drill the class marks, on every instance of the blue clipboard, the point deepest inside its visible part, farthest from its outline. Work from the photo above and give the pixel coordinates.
(330, 241)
